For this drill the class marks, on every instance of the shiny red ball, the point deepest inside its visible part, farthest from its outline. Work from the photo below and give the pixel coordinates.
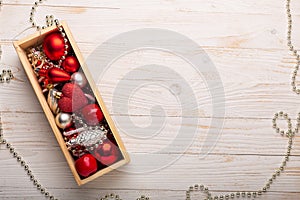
(107, 153)
(92, 114)
(54, 46)
(86, 165)
(71, 64)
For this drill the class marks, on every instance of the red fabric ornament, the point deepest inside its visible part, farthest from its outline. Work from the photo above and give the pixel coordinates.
(57, 75)
(86, 165)
(92, 114)
(71, 64)
(73, 98)
(107, 153)
(54, 46)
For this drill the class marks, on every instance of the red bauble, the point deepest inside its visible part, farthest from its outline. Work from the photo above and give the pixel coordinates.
(73, 98)
(71, 64)
(92, 114)
(107, 153)
(54, 46)
(86, 165)
(57, 75)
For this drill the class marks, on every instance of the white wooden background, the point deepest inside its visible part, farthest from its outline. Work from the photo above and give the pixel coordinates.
(246, 40)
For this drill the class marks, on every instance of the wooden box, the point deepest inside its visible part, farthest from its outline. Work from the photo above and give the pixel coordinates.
(36, 39)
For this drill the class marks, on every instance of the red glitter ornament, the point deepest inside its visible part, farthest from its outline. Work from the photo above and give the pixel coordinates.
(71, 64)
(73, 98)
(54, 46)
(92, 114)
(86, 165)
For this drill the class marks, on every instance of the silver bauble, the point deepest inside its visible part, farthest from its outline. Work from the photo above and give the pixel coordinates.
(79, 79)
(63, 120)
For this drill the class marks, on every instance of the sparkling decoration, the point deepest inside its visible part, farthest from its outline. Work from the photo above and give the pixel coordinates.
(86, 165)
(63, 120)
(70, 64)
(54, 46)
(107, 153)
(73, 131)
(88, 137)
(56, 75)
(79, 79)
(53, 95)
(36, 58)
(73, 98)
(92, 114)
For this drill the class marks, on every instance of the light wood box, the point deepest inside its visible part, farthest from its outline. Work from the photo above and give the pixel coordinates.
(37, 39)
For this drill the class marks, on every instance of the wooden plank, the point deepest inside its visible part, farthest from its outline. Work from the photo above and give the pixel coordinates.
(238, 136)
(233, 30)
(238, 173)
(249, 93)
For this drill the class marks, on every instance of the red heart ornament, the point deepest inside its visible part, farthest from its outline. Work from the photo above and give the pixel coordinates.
(92, 114)
(57, 75)
(86, 165)
(107, 153)
(54, 46)
(73, 98)
(71, 64)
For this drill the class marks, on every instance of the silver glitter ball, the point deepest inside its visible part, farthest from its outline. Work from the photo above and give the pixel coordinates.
(79, 79)
(63, 120)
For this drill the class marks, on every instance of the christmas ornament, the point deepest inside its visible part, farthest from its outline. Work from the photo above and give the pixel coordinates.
(73, 131)
(86, 165)
(70, 64)
(54, 46)
(63, 120)
(36, 58)
(107, 153)
(53, 95)
(92, 114)
(88, 137)
(79, 79)
(57, 75)
(72, 99)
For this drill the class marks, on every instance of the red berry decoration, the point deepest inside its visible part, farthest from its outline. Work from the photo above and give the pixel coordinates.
(56, 75)
(107, 153)
(71, 64)
(86, 165)
(92, 114)
(54, 46)
(73, 98)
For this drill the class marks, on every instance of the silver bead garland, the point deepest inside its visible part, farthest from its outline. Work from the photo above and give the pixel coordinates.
(26, 167)
(292, 49)
(6, 75)
(290, 133)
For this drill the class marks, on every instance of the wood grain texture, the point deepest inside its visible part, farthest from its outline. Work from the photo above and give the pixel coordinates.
(245, 40)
